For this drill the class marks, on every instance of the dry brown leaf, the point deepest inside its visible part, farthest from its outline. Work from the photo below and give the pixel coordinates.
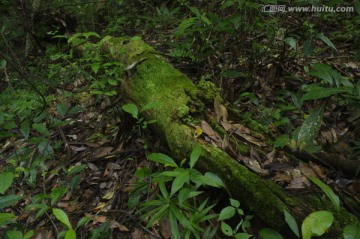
(99, 206)
(138, 234)
(97, 218)
(317, 169)
(69, 207)
(307, 171)
(299, 183)
(207, 129)
(165, 228)
(235, 128)
(220, 110)
(102, 152)
(253, 165)
(115, 224)
(282, 177)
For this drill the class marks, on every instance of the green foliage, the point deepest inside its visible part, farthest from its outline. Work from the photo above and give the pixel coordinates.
(329, 192)
(351, 232)
(134, 111)
(178, 189)
(268, 233)
(316, 224)
(228, 213)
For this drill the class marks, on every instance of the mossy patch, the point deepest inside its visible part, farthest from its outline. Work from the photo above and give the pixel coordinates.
(155, 80)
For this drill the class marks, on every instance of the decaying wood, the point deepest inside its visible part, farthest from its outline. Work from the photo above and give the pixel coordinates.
(155, 80)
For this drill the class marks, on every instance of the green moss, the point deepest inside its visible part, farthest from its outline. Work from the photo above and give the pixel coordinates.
(207, 90)
(157, 81)
(183, 111)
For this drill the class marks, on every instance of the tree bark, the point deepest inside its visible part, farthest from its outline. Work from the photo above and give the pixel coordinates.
(152, 79)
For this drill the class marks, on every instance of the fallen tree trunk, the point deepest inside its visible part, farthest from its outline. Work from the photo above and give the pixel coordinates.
(152, 79)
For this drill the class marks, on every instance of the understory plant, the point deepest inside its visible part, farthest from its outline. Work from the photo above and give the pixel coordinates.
(179, 188)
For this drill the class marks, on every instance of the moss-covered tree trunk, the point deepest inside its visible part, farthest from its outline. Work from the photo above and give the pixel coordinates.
(152, 79)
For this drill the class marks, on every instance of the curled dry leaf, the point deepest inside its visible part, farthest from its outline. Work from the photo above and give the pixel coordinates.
(307, 171)
(220, 110)
(213, 135)
(115, 224)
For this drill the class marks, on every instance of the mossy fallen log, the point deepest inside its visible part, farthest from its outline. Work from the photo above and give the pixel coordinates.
(152, 79)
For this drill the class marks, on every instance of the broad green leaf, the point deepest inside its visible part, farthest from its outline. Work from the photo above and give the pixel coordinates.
(7, 218)
(163, 159)
(181, 217)
(174, 225)
(242, 235)
(70, 234)
(319, 92)
(235, 203)
(6, 180)
(290, 220)
(281, 141)
(131, 109)
(62, 109)
(143, 172)
(357, 6)
(297, 99)
(310, 128)
(45, 149)
(351, 232)
(178, 182)
(89, 34)
(268, 233)
(14, 235)
(323, 72)
(326, 40)
(316, 224)
(185, 24)
(195, 154)
(291, 41)
(41, 128)
(226, 229)
(8, 200)
(25, 129)
(83, 221)
(340, 80)
(62, 217)
(29, 234)
(150, 106)
(226, 213)
(309, 47)
(213, 180)
(95, 67)
(186, 193)
(9, 125)
(329, 192)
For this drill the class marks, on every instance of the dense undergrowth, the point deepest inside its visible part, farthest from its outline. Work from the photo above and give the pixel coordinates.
(64, 124)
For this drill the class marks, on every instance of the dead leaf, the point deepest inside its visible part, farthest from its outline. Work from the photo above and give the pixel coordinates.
(299, 183)
(97, 218)
(235, 128)
(220, 110)
(317, 169)
(240, 130)
(102, 152)
(307, 171)
(207, 129)
(115, 224)
(138, 234)
(253, 165)
(282, 177)
(165, 228)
